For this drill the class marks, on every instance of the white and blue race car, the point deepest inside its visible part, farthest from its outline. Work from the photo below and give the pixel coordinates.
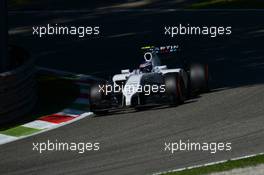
(151, 83)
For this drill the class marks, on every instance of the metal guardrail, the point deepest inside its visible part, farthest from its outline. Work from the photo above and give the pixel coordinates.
(17, 91)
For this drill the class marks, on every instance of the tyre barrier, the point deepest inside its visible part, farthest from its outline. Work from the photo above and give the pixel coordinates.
(18, 93)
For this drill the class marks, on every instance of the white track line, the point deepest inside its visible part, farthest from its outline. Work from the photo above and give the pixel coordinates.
(207, 164)
(5, 139)
(10, 139)
(67, 114)
(46, 126)
(38, 124)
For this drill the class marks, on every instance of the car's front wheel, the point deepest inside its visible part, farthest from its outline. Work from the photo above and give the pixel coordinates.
(100, 102)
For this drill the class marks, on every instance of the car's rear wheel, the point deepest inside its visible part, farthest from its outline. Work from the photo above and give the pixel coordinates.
(175, 88)
(199, 78)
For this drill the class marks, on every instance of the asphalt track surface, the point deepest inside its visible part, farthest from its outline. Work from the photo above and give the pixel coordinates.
(133, 142)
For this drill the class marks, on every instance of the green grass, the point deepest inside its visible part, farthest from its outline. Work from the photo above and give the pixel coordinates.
(19, 131)
(253, 161)
(54, 95)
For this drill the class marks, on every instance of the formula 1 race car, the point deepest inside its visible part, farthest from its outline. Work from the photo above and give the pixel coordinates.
(151, 83)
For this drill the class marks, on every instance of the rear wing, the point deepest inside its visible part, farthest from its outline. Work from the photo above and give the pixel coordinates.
(161, 49)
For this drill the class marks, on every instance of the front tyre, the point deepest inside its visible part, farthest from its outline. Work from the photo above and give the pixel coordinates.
(99, 101)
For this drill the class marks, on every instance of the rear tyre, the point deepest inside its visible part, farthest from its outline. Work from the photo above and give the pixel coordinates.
(175, 88)
(199, 78)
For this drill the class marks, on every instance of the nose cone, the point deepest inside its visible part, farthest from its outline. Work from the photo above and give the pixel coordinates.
(131, 88)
